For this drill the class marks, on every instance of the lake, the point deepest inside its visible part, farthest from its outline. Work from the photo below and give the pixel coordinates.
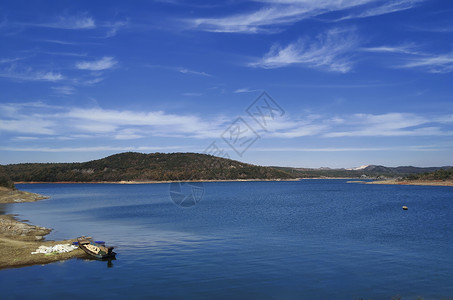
(309, 239)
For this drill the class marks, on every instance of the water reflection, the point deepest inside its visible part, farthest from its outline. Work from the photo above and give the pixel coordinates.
(107, 261)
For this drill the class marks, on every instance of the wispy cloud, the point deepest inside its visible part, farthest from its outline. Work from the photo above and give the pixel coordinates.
(79, 21)
(60, 42)
(64, 90)
(192, 94)
(93, 149)
(40, 119)
(275, 13)
(405, 49)
(435, 63)
(352, 149)
(361, 125)
(330, 51)
(10, 60)
(107, 62)
(75, 123)
(390, 124)
(385, 8)
(187, 71)
(114, 27)
(245, 90)
(28, 74)
(416, 59)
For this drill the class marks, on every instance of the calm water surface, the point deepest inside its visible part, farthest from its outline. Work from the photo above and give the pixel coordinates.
(311, 239)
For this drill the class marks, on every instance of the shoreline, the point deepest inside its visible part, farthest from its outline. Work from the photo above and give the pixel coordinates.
(407, 182)
(18, 238)
(157, 182)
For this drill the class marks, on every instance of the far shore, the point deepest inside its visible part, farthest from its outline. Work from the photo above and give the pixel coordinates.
(155, 181)
(18, 239)
(408, 182)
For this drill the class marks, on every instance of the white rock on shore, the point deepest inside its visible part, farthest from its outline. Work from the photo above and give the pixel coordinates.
(60, 248)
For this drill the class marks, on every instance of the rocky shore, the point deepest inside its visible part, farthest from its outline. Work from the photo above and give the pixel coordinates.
(19, 239)
(15, 196)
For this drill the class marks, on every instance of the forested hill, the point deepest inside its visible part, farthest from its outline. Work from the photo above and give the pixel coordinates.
(133, 166)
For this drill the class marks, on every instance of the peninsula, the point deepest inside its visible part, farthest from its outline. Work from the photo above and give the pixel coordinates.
(19, 239)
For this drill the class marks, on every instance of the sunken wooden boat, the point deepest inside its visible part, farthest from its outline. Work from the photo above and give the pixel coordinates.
(97, 250)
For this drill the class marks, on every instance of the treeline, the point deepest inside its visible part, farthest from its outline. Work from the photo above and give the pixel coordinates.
(131, 166)
(436, 175)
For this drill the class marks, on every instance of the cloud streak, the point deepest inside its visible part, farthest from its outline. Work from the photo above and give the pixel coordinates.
(105, 63)
(277, 13)
(28, 74)
(330, 51)
(31, 120)
(412, 59)
(74, 22)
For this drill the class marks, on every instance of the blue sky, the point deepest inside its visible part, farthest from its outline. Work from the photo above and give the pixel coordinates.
(347, 83)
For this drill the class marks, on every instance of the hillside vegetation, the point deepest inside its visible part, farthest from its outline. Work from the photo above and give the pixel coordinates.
(5, 181)
(133, 166)
(436, 175)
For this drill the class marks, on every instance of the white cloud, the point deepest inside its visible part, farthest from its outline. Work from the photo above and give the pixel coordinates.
(276, 13)
(64, 90)
(441, 63)
(114, 27)
(28, 74)
(352, 149)
(107, 62)
(79, 21)
(385, 8)
(10, 60)
(187, 71)
(390, 124)
(245, 90)
(75, 123)
(191, 94)
(407, 49)
(92, 149)
(330, 51)
(28, 125)
(434, 63)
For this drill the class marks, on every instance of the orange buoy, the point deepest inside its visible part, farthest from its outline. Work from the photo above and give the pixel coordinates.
(405, 208)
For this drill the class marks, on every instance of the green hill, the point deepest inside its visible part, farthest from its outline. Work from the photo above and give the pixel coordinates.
(143, 167)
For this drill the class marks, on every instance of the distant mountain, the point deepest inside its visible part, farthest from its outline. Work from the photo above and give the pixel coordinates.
(368, 171)
(131, 166)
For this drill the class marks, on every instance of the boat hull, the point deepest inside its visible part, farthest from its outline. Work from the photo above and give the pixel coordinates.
(94, 249)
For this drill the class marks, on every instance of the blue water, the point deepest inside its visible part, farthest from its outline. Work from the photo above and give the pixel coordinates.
(310, 239)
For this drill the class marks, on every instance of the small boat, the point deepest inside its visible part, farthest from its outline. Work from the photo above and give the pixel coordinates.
(95, 249)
